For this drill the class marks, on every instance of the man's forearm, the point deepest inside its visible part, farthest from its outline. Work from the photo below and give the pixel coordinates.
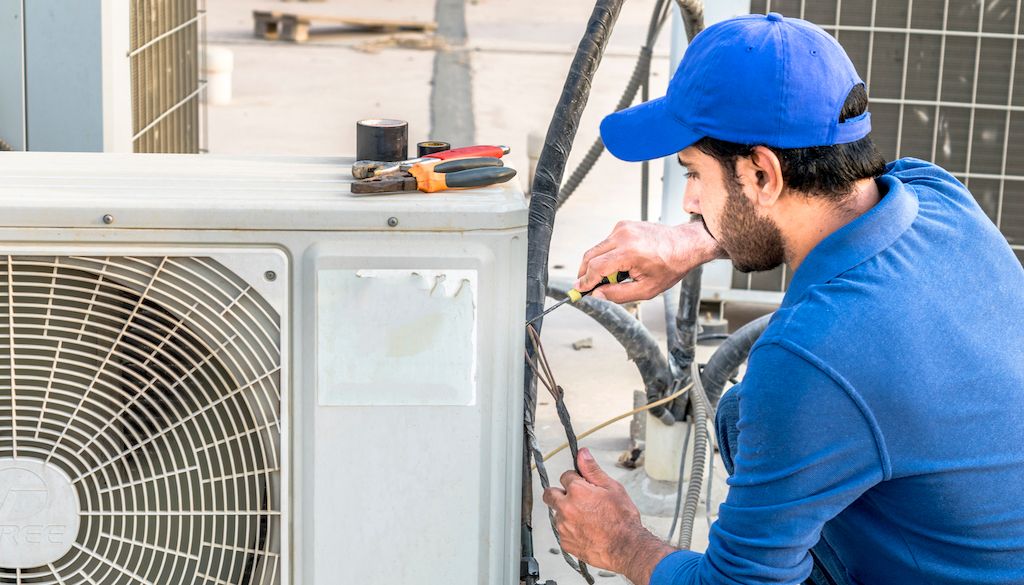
(641, 555)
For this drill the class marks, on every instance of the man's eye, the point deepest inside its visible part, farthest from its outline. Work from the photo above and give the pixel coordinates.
(690, 175)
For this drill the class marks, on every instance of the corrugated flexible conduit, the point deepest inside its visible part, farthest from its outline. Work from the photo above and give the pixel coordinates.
(693, 21)
(641, 72)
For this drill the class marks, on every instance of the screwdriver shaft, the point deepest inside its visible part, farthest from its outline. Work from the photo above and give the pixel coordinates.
(575, 295)
(549, 309)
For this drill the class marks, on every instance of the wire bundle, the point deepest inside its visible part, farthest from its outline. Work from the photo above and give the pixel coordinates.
(540, 366)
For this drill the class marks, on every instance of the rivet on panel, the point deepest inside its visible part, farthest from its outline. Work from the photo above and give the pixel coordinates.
(393, 221)
(108, 219)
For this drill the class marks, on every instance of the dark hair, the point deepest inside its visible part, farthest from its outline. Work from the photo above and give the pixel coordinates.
(824, 171)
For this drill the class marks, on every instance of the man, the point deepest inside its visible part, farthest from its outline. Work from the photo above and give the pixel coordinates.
(880, 424)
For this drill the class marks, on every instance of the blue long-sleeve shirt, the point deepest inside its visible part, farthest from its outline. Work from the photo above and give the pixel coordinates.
(886, 397)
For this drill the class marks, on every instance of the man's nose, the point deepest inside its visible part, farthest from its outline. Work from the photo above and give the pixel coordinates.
(691, 203)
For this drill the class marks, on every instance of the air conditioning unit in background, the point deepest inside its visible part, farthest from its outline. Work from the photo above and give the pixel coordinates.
(102, 75)
(231, 370)
(946, 84)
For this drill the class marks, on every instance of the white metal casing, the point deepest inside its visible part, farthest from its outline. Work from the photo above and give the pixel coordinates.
(401, 436)
(69, 61)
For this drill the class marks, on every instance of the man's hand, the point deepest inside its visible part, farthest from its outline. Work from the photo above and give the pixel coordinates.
(599, 524)
(656, 256)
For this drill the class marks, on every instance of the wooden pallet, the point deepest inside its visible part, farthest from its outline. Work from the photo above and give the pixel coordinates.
(295, 27)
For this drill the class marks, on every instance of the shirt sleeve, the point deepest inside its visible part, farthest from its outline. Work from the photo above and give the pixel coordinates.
(806, 451)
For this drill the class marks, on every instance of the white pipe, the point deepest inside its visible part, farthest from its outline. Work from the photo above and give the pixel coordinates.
(220, 63)
(673, 184)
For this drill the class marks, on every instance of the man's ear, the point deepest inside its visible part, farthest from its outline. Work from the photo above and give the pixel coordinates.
(762, 171)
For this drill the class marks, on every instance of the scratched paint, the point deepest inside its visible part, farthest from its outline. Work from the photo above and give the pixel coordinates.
(396, 337)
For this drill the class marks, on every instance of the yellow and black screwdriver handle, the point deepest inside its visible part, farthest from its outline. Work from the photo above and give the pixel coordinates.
(618, 277)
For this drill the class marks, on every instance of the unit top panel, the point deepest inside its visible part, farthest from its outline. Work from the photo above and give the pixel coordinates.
(231, 192)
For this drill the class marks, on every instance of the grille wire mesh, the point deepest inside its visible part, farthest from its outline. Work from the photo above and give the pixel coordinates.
(945, 85)
(154, 384)
(167, 46)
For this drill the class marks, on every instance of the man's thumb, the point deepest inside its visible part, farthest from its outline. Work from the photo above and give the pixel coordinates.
(591, 471)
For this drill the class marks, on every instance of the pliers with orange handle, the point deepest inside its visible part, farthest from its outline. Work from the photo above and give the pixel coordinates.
(436, 175)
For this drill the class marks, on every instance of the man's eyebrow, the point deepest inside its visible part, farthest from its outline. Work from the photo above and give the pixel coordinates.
(683, 161)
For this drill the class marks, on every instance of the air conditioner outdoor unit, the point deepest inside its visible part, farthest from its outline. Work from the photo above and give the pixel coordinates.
(231, 370)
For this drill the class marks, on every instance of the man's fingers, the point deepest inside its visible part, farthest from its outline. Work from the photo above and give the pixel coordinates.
(625, 292)
(553, 496)
(600, 267)
(590, 277)
(592, 472)
(568, 477)
(592, 253)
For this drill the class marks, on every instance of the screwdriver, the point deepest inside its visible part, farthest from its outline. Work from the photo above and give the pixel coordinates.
(574, 295)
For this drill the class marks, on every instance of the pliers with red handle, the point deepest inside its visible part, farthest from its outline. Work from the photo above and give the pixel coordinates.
(437, 175)
(362, 169)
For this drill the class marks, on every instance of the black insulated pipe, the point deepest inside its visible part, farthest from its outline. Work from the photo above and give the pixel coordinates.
(642, 69)
(640, 76)
(685, 349)
(683, 345)
(730, 356)
(543, 204)
(693, 16)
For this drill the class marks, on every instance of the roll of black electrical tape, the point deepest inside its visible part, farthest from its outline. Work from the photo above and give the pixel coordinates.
(382, 140)
(430, 147)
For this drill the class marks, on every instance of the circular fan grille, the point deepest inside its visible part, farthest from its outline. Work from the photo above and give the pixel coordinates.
(152, 386)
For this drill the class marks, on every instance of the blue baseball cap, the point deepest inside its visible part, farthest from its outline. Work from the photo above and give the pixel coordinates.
(753, 79)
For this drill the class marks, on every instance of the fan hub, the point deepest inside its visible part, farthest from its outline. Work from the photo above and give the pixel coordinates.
(39, 513)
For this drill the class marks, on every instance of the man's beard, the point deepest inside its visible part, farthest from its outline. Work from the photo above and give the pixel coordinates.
(754, 243)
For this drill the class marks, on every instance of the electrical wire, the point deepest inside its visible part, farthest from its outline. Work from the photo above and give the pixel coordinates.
(542, 369)
(615, 419)
(706, 440)
(697, 470)
(641, 347)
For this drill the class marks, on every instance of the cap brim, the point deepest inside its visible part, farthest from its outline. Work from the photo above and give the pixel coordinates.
(645, 132)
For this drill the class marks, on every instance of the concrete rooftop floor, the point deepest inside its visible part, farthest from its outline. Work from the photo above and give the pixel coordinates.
(305, 99)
